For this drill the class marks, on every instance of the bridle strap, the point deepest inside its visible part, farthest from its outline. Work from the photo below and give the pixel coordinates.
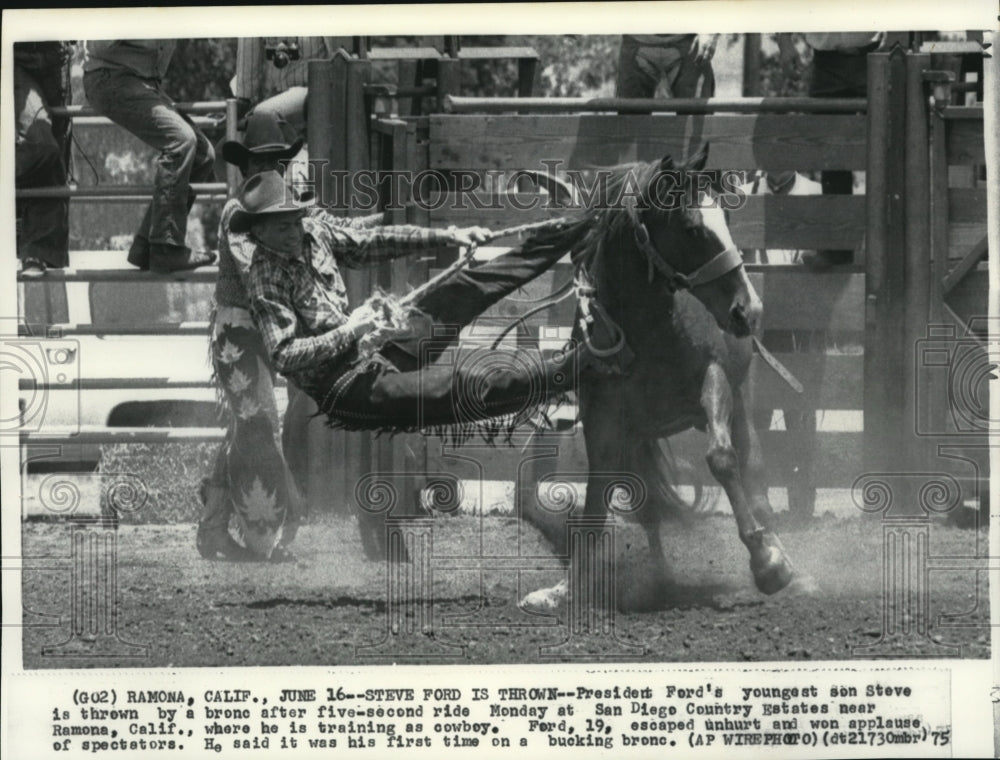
(722, 263)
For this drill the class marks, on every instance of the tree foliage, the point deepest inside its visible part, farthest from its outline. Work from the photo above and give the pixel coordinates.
(201, 69)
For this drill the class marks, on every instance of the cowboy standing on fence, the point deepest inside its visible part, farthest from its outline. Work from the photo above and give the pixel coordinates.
(299, 304)
(123, 81)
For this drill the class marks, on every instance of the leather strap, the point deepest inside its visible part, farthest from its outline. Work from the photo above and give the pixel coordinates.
(781, 369)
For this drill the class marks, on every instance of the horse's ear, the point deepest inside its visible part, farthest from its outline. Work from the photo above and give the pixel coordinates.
(699, 159)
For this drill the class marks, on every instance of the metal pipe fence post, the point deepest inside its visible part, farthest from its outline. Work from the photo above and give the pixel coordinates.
(232, 133)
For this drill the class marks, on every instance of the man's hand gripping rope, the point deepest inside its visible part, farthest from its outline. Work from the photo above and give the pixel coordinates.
(383, 317)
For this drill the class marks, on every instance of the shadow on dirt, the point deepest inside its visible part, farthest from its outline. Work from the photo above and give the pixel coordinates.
(720, 597)
(373, 605)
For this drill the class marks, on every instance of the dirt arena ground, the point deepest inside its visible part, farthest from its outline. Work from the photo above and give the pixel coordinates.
(330, 607)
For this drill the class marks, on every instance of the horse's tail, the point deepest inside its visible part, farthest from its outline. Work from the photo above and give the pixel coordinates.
(664, 469)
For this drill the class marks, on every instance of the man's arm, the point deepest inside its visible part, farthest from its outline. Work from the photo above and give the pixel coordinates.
(354, 222)
(368, 246)
(271, 306)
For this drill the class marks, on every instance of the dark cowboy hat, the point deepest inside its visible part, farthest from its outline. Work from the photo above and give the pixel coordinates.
(267, 134)
(267, 193)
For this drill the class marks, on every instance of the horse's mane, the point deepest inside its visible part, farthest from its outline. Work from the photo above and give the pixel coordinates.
(608, 215)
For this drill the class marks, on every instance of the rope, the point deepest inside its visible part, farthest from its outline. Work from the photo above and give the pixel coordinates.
(520, 229)
(564, 292)
(394, 313)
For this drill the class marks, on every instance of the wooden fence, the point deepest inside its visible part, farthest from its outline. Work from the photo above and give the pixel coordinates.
(905, 230)
(918, 233)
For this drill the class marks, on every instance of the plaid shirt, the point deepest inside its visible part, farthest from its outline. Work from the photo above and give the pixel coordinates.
(236, 251)
(299, 302)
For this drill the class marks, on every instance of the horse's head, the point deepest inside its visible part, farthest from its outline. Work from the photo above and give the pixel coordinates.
(682, 230)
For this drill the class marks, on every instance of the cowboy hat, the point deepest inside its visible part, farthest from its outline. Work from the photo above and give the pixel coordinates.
(267, 193)
(266, 134)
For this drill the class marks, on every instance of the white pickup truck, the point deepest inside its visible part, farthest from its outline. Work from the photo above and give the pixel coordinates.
(71, 382)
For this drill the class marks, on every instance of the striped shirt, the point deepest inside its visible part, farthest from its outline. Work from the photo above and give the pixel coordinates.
(258, 78)
(299, 302)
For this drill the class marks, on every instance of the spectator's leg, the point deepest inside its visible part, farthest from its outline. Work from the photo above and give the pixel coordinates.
(838, 75)
(141, 107)
(203, 170)
(690, 79)
(635, 79)
(44, 234)
(289, 105)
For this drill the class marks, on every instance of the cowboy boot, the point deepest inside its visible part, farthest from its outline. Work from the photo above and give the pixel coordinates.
(138, 252)
(165, 258)
(213, 540)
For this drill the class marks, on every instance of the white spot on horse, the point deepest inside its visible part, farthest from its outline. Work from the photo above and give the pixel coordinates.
(714, 220)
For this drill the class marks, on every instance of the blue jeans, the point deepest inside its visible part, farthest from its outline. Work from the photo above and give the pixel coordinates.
(38, 162)
(643, 68)
(289, 105)
(186, 155)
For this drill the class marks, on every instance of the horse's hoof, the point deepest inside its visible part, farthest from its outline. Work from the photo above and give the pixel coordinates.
(771, 568)
(545, 599)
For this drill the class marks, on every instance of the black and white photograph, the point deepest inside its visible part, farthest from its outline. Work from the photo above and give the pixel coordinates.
(535, 378)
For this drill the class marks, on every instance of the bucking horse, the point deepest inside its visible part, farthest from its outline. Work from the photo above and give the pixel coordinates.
(666, 308)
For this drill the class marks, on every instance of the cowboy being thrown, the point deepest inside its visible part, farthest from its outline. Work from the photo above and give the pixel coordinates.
(299, 303)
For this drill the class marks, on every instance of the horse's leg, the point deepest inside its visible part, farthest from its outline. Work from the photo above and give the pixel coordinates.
(771, 569)
(751, 458)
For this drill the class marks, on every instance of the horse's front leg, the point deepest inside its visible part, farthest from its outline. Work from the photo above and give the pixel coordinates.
(751, 459)
(771, 569)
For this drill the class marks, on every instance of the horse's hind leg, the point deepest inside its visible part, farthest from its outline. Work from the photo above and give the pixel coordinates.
(604, 440)
(771, 569)
(654, 471)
